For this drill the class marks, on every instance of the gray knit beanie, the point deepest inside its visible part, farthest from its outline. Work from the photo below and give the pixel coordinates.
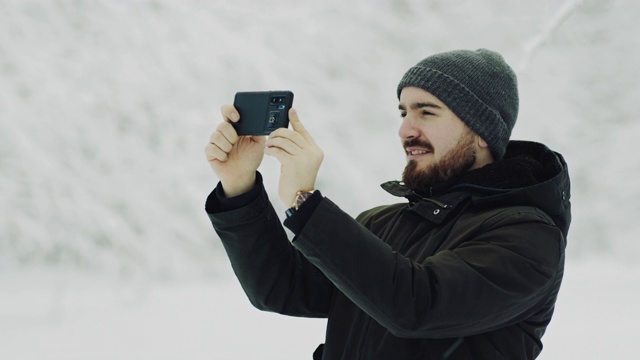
(478, 86)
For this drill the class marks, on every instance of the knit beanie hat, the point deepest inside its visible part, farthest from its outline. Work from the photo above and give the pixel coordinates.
(478, 86)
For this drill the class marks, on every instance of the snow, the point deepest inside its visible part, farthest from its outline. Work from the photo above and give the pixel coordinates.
(105, 107)
(77, 317)
(73, 316)
(596, 314)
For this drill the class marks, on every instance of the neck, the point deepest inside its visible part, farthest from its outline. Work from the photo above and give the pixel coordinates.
(483, 158)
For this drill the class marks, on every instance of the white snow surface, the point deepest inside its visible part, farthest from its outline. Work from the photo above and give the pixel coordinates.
(75, 317)
(105, 108)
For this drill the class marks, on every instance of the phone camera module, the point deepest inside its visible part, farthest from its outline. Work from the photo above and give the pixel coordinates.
(272, 121)
(277, 99)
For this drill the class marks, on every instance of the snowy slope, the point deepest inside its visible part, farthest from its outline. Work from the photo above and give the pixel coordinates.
(105, 107)
(75, 317)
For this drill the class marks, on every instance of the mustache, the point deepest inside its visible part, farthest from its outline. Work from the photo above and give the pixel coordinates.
(419, 143)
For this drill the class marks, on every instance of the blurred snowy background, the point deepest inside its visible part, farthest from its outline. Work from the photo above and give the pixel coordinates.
(105, 108)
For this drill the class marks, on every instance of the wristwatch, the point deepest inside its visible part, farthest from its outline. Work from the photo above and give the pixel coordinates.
(301, 197)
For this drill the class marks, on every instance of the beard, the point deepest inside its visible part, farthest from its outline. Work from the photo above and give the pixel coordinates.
(454, 163)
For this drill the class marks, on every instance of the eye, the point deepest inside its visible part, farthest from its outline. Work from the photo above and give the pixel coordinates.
(426, 113)
(403, 114)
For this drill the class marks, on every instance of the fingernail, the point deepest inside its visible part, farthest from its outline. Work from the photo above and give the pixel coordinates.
(235, 117)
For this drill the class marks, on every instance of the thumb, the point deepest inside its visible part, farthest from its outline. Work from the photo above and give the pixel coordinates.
(295, 122)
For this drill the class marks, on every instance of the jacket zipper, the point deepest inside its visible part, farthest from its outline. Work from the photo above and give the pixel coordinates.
(443, 206)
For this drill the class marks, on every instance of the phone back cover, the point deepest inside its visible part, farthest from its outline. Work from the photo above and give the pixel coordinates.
(256, 111)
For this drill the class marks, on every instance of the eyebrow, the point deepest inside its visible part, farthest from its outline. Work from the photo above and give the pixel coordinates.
(420, 105)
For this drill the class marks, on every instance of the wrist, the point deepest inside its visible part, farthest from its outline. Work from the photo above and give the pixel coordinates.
(238, 186)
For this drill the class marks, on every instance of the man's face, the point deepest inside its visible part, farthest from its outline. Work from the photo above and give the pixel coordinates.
(437, 144)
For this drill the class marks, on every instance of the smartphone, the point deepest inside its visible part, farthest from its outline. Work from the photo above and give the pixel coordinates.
(261, 112)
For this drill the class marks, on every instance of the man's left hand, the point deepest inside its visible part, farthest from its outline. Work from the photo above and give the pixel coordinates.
(300, 158)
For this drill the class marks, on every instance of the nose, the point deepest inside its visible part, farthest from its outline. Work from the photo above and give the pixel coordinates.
(407, 129)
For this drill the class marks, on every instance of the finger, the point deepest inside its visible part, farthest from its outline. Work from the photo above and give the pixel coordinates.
(215, 153)
(219, 139)
(284, 144)
(228, 131)
(297, 126)
(230, 113)
(294, 119)
(290, 135)
(278, 153)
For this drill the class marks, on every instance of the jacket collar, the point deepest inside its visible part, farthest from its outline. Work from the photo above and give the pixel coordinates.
(433, 208)
(529, 174)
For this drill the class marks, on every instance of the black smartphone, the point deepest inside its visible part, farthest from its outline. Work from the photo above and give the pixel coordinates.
(261, 112)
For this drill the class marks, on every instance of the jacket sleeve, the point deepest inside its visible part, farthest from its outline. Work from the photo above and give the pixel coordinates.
(273, 274)
(490, 282)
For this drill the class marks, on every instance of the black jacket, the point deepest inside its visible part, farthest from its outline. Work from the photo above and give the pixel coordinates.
(470, 271)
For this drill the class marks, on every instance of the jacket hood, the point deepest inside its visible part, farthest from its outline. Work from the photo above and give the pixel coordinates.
(549, 189)
(529, 174)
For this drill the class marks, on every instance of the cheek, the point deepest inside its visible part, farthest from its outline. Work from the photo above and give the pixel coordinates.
(442, 144)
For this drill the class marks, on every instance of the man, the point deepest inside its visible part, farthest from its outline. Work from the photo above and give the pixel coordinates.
(469, 267)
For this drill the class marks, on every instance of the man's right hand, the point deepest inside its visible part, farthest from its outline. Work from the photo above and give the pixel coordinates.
(234, 158)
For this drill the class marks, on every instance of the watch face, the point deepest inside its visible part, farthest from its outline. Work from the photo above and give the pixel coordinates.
(302, 197)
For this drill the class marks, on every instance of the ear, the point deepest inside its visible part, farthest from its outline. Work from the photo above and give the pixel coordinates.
(484, 154)
(482, 144)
